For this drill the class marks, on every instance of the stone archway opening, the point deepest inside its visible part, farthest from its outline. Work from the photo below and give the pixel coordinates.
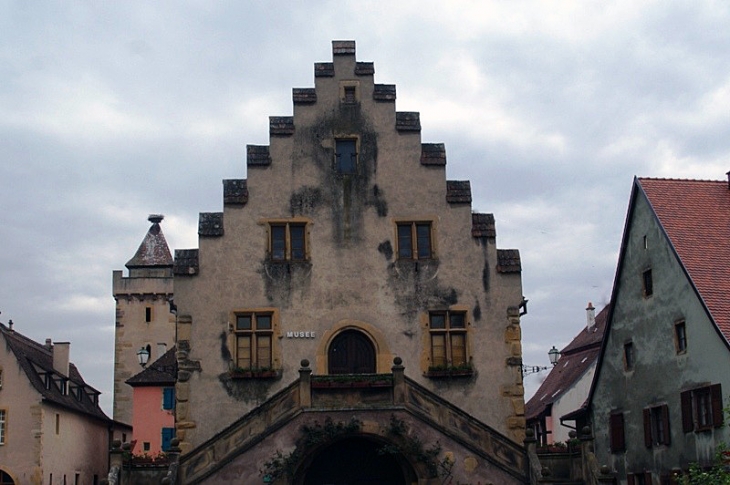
(357, 461)
(6, 479)
(351, 352)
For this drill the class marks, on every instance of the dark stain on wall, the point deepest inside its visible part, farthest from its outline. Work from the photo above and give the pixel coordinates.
(416, 288)
(225, 352)
(281, 278)
(477, 311)
(305, 201)
(379, 202)
(386, 249)
(250, 391)
(485, 276)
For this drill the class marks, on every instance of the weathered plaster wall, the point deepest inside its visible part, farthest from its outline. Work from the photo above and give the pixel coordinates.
(660, 373)
(352, 274)
(571, 400)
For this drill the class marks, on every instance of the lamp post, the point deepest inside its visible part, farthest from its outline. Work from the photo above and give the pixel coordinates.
(553, 354)
(143, 355)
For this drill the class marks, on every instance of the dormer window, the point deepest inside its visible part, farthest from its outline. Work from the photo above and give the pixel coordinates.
(346, 156)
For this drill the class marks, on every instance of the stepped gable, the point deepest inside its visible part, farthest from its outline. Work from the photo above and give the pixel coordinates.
(36, 360)
(154, 250)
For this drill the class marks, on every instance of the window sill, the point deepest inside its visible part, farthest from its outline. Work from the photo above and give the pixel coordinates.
(447, 373)
(254, 374)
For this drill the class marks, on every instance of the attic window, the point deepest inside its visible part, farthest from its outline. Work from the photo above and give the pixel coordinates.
(148, 314)
(629, 356)
(350, 96)
(680, 337)
(648, 282)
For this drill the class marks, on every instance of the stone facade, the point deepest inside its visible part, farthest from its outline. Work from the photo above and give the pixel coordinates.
(346, 246)
(143, 317)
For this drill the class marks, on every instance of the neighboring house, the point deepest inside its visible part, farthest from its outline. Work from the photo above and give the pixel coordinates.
(52, 430)
(563, 395)
(663, 375)
(347, 313)
(143, 318)
(153, 398)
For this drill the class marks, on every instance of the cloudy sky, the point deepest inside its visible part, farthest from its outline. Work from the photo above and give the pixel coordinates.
(110, 111)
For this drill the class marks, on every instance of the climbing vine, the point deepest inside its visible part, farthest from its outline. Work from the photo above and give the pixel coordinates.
(411, 446)
(284, 465)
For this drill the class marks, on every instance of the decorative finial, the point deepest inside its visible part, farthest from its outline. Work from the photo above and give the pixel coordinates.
(155, 218)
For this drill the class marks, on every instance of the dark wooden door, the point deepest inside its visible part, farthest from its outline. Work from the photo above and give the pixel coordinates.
(351, 352)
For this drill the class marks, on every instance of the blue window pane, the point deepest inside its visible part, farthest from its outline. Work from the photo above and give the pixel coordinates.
(278, 242)
(423, 236)
(297, 242)
(404, 241)
(167, 435)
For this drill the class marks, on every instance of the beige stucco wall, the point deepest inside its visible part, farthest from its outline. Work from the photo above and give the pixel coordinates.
(32, 450)
(351, 279)
(133, 295)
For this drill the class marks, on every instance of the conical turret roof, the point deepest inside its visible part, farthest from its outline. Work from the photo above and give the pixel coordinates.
(154, 250)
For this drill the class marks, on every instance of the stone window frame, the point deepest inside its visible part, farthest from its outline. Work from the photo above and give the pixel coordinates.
(447, 367)
(350, 92)
(287, 223)
(255, 368)
(414, 247)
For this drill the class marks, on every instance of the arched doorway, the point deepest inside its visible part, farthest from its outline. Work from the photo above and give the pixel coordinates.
(351, 352)
(6, 479)
(357, 461)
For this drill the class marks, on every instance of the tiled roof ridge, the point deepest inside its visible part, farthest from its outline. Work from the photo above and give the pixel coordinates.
(673, 179)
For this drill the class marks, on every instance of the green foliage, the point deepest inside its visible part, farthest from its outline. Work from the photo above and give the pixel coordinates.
(411, 446)
(284, 465)
(717, 474)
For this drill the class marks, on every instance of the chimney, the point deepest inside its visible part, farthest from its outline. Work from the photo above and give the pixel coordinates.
(61, 352)
(10, 325)
(161, 349)
(590, 317)
(48, 345)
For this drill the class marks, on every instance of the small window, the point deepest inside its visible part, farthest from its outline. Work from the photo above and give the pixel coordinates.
(656, 426)
(618, 436)
(254, 339)
(1, 378)
(148, 314)
(287, 241)
(680, 337)
(648, 283)
(629, 356)
(448, 340)
(414, 240)
(58, 423)
(646, 242)
(168, 398)
(346, 156)
(350, 95)
(702, 408)
(146, 446)
(3, 421)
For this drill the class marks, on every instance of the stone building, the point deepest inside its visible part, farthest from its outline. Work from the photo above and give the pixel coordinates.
(662, 380)
(347, 313)
(52, 430)
(143, 318)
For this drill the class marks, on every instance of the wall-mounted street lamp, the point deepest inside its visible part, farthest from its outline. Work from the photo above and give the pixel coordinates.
(143, 355)
(553, 354)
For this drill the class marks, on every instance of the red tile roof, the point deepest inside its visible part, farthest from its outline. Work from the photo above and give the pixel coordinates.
(575, 359)
(695, 215)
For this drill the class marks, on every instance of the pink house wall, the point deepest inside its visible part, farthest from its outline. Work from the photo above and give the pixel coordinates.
(148, 419)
